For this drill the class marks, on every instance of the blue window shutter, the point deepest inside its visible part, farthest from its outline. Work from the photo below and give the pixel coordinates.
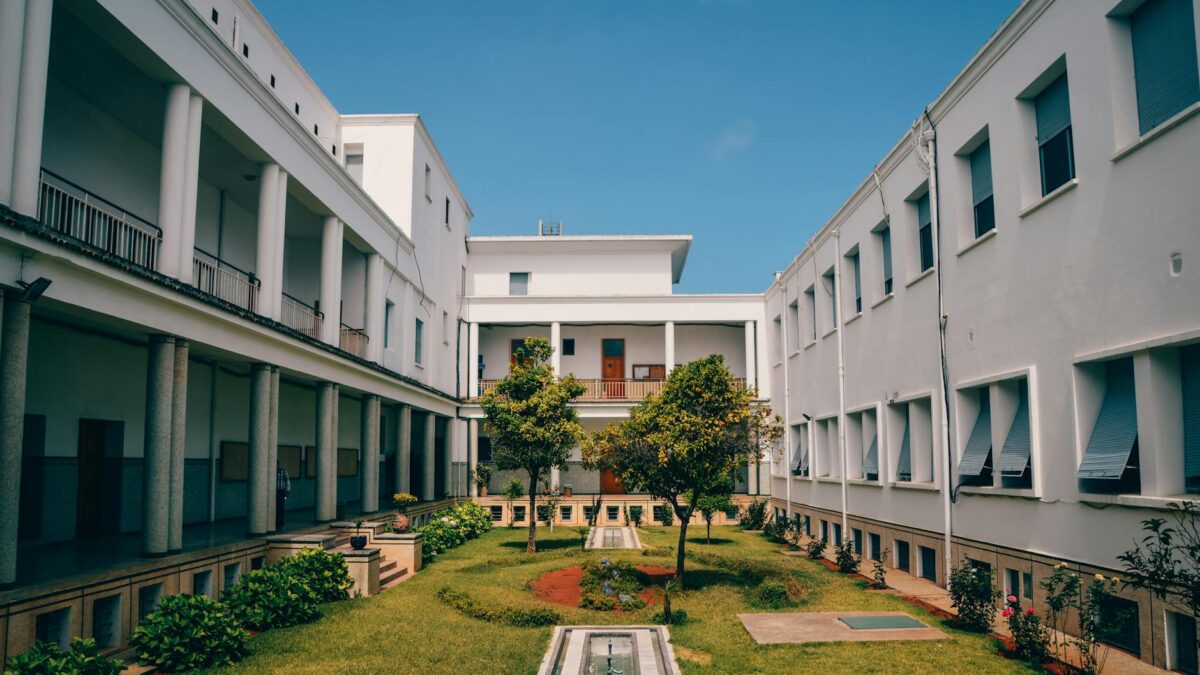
(1189, 363)
(904, 464)
(1164, 60)
(923, 218)
(798, 457)
(979, 445)
(871, 461)
(981, 173)
(1053, 108)
(1014, 456)
(1116, 428)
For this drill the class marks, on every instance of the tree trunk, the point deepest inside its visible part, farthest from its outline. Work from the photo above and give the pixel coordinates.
(531, 546)
(708, 530)
(684, 518)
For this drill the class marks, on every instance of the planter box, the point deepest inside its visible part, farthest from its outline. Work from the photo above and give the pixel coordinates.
(281, 546)
(404, 548)
(364, 569)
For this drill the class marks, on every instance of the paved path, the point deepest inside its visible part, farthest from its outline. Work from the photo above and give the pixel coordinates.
(613, 537)
(800, 627)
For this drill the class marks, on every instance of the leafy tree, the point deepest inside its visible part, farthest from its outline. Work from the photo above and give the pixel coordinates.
(530, 420)
(685, 442)
(710, 505)
(511, 493)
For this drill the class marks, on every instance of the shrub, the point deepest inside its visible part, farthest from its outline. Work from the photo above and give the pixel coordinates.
(635, 514)
(187, 632)
(511, 616)
(847, 560)
(46, 658)
(974, 596)
(271, 598)
(604, 585)
(754, 516)
(1031, 640)
(668, 515)
(452, 527)
(815, 548)
(771, 593)
(678, 617)
(879, 579)
(775, 530)
(325, 573)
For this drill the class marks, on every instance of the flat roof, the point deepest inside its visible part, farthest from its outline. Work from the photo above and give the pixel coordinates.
(677, 244)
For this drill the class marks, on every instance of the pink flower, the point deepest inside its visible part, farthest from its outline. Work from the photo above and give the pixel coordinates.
(1012, 598)
(1007, 613)
(1029, 611)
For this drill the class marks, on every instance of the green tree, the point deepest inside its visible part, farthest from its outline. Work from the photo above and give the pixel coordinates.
(685, 442)
(530, 420)
(711, 504)
(511, 493)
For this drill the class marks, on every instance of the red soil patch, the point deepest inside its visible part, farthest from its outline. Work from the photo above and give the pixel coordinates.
(562, 587)
(832, 566)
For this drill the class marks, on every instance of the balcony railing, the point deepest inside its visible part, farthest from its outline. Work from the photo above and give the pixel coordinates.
(227, 282)
(609, 390)
(77, 214)
(354, 340)
(299, 316)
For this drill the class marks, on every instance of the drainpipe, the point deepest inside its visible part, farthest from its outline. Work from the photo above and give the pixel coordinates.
(837, 302)
(930, 139)
(787, 427)
(212, 443)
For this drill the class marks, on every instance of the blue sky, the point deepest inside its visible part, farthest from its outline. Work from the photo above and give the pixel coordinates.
(746, 123)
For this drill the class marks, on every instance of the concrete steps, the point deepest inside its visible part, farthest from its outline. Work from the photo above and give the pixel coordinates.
(390, 574)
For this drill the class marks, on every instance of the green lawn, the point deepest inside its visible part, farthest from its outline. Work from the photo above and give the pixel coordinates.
(407, 629)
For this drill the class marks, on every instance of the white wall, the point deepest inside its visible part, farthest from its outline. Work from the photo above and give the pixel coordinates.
(553, 273)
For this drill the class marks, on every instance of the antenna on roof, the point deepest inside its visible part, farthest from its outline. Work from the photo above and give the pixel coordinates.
(549, 228)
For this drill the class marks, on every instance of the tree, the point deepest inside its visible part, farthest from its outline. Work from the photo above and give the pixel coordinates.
(530, 420)
(685, 442)
(512, 492)
(711, 504)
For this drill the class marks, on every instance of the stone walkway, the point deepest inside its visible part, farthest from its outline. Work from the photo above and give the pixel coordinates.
(800, 627)
(613, 537)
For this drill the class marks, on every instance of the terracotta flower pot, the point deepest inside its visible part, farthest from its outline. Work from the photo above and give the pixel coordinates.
(402, 523)
(482, 490)
(568, 492)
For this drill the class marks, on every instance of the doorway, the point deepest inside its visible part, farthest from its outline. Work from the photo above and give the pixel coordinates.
(612, 367)
(97, 505)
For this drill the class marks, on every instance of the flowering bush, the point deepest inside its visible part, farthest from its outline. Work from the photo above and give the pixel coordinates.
(1031, 640)
(452, 527)
(974, 596)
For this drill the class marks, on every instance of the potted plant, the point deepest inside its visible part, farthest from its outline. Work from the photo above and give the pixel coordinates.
(568, 490)
(483, 473)
(402, 500)
(358, 541)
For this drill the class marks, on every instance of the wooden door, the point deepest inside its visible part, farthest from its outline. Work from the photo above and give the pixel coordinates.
(93, 436)
(609, 485)
(612, 367)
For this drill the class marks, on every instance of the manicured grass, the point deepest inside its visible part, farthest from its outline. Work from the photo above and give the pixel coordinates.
(408, 630)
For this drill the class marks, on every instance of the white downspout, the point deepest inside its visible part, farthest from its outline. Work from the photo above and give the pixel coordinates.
(837, 301)
(787, 427)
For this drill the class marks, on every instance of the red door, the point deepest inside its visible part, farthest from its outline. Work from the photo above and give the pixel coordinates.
(609, 485)
(612, 367)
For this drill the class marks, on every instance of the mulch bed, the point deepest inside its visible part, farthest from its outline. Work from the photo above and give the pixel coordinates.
(561, 586)
(832, 566)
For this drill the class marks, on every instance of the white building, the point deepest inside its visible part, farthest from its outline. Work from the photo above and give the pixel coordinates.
(208, 270)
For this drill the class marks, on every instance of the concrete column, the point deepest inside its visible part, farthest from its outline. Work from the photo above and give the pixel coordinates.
(331, 279)
(373, 312)
(449, 448)
(178, 438)
(258, 473)
(171, 177)
(14, 346)
(751, 362)
(428, 485)
(556, 343)
(472, 455)
(272, 447)
(1158, 388)
(264, 257)
(555, 476)
(156, 462)
(326, 488)
(669, 346)
(472, 359)
(31, 106)
(12, 33)
(369, 473)
(752, 478)
(404, 449)
(280, 237)
(191, 183)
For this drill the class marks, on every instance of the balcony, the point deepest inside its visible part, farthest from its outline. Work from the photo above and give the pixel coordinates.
(82, 217)
(354, 341)
(222, 280)
(300, 317)
(609, 391)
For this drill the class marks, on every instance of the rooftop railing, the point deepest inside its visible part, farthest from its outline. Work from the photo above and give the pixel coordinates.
(609, 390)
(79, 215)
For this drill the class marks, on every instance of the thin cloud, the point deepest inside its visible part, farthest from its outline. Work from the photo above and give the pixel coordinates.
(732, 141)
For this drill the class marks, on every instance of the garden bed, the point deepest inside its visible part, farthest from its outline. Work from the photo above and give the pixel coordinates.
(564, 586)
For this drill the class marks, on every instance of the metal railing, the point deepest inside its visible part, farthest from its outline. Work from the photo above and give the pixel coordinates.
(73, 212)
(610, 390)
(354, 340)
(218, 278)
(299, 316)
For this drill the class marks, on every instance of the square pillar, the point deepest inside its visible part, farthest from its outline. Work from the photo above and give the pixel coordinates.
(1159, 393)
(669, 346)
(363, 566)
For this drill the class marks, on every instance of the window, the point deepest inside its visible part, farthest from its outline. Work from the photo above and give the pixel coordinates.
(793, 325)
(354, 166)
(885, 248)
(297, 108)
(202, 583)
(388, 308)
(1121, 616)
(808, 525)
(589, 514)
(497, 514)
(660, 513)
(1110, 461)
(106, 617)
(55, 625)
(272, 81)
(1055, 146)
(981, 189)
(857, 538)
(904, 457)
(316, 130)
(215, 15)
(519, 514)
(1027, 584)
(568, 347)
(564, 513)
(810, 299)
(245, 50)
(418, 341)
(837, 534)
(777, 330)
(445, 327)
(148, 597)
(902, 556)
(1164, 60)
(925, 231)
(800, 454)
(876, 546)
(824, 530)
(1012, 583)
(1181, 635)
(428, 182)
(856, 276)
(518, 283)
(446, 219)
(870, 434)
(928, 563)
(830, 279)
(975, 465)
(612, 513)
(1189, 364)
